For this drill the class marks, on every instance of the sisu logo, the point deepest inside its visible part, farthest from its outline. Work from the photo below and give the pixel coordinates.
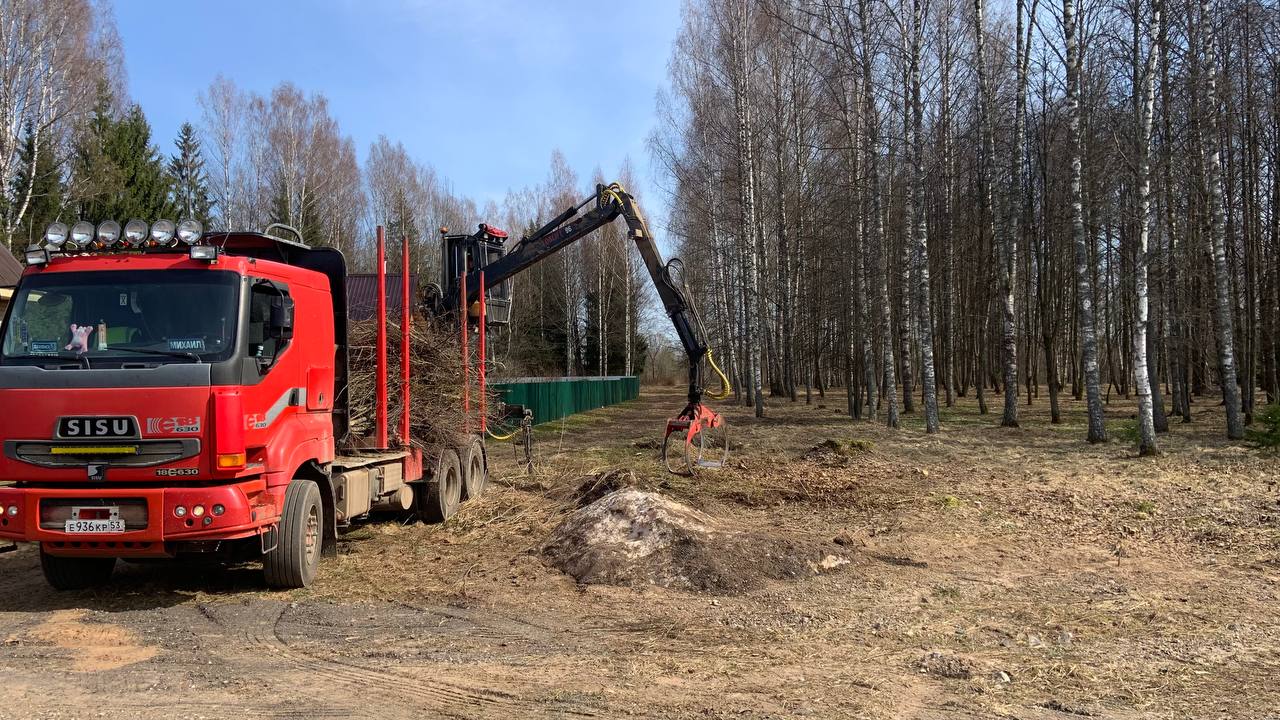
(178, 425)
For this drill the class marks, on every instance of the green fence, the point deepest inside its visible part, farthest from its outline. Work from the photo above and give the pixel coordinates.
(555, 398)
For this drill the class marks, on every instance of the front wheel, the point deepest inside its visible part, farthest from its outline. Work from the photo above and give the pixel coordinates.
(294, 562)
(76, 573)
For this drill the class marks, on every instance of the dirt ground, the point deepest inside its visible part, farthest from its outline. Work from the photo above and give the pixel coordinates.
(996, 573)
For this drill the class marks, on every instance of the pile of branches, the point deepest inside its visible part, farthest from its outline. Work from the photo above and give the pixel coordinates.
(436, 417)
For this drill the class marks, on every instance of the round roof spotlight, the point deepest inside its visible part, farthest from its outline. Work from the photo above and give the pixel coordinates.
(108, 233)
(56, 234)
(82, 233)
(135, 232)
(190, 231)
(162, 232)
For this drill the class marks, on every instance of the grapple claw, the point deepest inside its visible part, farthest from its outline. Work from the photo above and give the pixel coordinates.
(706, 441)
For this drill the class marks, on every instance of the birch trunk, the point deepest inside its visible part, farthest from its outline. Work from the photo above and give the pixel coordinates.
(749, 223)
(871, 143)
(1141, 377)
(923, 295)
(1084, 274)
(1222, 318)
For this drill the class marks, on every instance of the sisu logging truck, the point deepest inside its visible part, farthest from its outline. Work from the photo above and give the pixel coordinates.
(170, 393)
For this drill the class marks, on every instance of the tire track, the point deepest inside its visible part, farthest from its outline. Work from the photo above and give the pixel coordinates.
(434, 694)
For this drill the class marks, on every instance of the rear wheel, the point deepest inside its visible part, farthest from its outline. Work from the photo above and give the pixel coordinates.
(475, 468)
(443, 490)
(76, 573)
(294, 562)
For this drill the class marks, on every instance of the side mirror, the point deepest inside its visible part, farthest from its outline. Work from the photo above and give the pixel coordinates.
(280, 324)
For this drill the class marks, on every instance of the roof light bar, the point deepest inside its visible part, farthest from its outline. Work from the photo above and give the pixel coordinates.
(109, 235)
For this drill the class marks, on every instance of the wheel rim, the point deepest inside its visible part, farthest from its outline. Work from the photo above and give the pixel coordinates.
(476, 474)
(311, 536)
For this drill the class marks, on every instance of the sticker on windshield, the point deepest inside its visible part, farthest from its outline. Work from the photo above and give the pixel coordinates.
(187, 344)
(44, 347)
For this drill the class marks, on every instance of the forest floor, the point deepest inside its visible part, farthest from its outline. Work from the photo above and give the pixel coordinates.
(996, 573)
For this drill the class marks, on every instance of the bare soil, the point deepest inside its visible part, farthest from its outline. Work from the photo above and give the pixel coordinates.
(994, 573)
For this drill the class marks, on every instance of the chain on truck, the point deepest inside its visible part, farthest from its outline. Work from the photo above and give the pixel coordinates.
(173, 393)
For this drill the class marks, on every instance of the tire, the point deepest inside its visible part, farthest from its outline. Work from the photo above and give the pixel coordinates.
(76, 573)
(294, 562)
(475, 468)
(443, 490)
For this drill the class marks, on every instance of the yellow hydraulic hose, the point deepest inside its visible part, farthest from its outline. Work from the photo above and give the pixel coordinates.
(725, 387)
(500, 438)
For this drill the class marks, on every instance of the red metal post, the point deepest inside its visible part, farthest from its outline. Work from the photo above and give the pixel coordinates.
(463, 311)
(484, 421)
(382, 339)
(406, 320)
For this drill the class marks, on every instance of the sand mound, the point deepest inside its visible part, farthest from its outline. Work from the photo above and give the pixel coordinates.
(631, 537)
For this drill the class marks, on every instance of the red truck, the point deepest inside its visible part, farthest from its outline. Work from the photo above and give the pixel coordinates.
(170, 393)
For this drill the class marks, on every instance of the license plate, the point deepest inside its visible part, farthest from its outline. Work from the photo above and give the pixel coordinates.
(95, 526)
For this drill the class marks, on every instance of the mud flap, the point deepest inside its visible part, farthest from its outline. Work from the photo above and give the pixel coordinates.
(270, 538)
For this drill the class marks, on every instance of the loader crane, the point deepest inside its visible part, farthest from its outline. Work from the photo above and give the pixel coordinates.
(480, 264)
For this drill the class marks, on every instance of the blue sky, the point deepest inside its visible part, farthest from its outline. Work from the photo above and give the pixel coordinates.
(482, 91)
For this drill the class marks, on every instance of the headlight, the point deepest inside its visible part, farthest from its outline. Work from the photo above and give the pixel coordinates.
(135, 232)
(56, 234)
(82, 233)
(108, 233)
(189, 231)
(162, 232)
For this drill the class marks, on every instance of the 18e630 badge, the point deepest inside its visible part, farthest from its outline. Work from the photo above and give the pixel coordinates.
(177, 472)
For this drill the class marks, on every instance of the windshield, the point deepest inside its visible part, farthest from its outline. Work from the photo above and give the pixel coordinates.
(107, 318)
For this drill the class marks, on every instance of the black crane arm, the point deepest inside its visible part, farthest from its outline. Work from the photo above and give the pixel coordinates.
(610, 202)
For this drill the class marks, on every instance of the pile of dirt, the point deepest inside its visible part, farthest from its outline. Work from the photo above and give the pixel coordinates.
(631, 537)
(839, 449)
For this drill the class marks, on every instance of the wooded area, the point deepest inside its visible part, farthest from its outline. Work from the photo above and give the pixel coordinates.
(917, 199)
(912, 202)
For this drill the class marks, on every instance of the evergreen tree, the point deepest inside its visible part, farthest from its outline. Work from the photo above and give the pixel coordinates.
(44, 186)
(307, 221)
(119, 173)
(186, 170)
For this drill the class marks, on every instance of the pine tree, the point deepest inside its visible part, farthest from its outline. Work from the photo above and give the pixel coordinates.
(186, 168)
(119, 173)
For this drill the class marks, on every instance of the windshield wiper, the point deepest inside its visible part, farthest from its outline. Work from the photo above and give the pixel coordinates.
(82, 360)
(161, 353)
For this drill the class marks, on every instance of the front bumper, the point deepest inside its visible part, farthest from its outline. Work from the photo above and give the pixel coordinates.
(249, 508)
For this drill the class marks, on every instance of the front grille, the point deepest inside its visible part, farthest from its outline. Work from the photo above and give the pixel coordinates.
(133, 453)
(55, 512)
